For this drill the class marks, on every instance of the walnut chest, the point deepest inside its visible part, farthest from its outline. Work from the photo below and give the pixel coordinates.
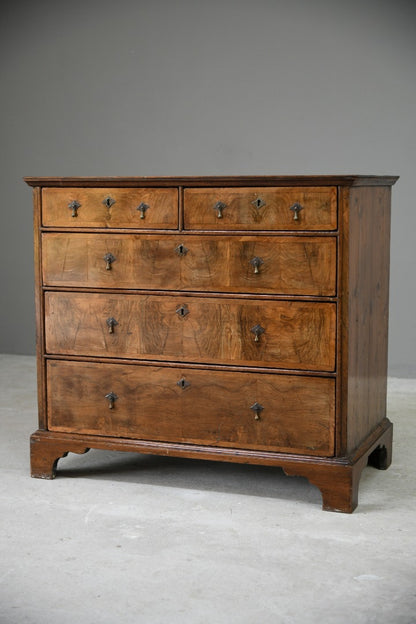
(240, 319)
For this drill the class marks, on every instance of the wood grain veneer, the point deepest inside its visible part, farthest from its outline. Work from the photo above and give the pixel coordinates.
(252, 331)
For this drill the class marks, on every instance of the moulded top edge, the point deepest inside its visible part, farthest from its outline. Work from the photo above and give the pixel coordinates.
(213, 181)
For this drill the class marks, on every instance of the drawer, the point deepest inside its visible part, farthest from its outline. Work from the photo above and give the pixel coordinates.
(240, 410)
(110, 207)
(264, 208)
(287, 265)
(277, 334)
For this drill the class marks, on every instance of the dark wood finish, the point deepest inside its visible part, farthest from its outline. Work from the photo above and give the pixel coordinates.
(161, 209)
(213, 181)
(39, 309)
(297, 335)
(336, 478)
(297, 415)
(163, 330)
(318, 208)
(213, 263)
(365, 337)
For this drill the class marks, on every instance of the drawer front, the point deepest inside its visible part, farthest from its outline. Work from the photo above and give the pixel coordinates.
(265, 208)
(110, 207)
(279, 334)
(287, 265)
(240, 410)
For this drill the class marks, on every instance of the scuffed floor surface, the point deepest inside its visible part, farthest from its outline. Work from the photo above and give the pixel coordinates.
(124, 538)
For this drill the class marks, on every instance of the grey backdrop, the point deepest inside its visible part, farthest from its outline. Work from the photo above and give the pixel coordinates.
(159, 87)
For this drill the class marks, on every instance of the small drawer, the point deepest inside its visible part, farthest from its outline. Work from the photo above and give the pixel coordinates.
(138, 208)
(265, 208)
(268, 412)
(292, 335)
(288, 265)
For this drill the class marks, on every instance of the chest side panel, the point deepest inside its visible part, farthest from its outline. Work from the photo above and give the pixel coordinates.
(365, 310)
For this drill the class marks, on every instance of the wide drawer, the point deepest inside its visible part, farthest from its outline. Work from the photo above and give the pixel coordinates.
(264, 208)
(278, 334)
(110, 207)
(227, 409)
(287, 265)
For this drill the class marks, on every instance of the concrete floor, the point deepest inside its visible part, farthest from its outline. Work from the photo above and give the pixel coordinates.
(123, 538)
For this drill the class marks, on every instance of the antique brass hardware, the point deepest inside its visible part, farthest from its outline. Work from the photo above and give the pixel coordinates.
(181, 250)
(258, 203)
(257, 330)
(219, 207)
(256, 263)
(182, 311)
(109, 259)
(109, 201)
(296, 208)
(142, 209)
(74, 205)
(183, 383)
(111, 322)
(257, 409)
(111, 396)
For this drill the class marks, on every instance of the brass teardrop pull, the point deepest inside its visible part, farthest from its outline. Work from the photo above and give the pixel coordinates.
(219, 207)
(142, 209)
(109, 259)
(257, 409)
(296, 208)
(111, 396)
(74, 205)
(111, 323)
(256, 263)
(257, 330)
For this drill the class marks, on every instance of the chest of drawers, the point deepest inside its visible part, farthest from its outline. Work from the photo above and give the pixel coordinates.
(240, 319)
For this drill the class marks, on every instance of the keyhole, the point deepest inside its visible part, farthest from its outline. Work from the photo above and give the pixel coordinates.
(258, 203)
(181, 250)
(182, 383)
(108, 202)
(182, 311)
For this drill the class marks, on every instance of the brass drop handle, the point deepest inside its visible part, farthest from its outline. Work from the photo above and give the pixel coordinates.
(74, 205)
(109, 259)
(256, 263)
(111, 396)
(257, 409)
(257, 330)
(296, 208)
(142, 209)
(219, 207)
(111, 323)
